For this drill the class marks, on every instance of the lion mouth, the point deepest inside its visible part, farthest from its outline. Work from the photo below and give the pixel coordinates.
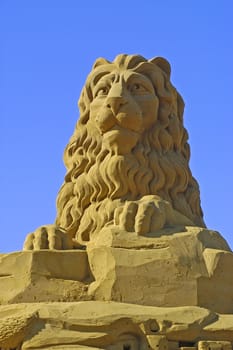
(120, 140)
(120, 130)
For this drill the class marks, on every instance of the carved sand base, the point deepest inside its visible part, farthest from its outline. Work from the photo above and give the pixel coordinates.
(190, 268)
(45, 275)
(193, 267)
(110, 325)
(124, 292)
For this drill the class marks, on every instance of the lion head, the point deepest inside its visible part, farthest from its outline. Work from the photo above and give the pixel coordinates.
(129, 142)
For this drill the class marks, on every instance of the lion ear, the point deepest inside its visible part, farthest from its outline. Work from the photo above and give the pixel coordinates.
(99, 62)
(163, 64)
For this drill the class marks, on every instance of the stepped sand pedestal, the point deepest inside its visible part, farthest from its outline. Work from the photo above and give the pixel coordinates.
(128, 292)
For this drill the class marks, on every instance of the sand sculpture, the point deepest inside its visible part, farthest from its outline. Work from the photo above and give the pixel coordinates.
(129, 263)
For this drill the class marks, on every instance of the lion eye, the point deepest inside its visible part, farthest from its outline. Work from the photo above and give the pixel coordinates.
(137, 88)
(102, 91)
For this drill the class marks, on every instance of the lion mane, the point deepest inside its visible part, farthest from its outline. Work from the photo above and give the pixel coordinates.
(98, 181)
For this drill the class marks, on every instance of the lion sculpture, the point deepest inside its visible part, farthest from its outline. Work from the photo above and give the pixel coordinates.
(127, 160)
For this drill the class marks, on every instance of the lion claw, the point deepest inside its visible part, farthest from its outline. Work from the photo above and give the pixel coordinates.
(48, 237)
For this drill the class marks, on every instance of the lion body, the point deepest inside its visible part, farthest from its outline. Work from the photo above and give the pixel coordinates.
(134, 149)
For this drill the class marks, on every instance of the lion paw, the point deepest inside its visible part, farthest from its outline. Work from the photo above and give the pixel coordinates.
(48, 237)
(141, 216)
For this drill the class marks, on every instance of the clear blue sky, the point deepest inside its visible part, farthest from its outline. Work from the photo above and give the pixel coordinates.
(47, 49)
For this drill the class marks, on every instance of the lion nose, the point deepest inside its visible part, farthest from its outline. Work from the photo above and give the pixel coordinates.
(115, 103)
